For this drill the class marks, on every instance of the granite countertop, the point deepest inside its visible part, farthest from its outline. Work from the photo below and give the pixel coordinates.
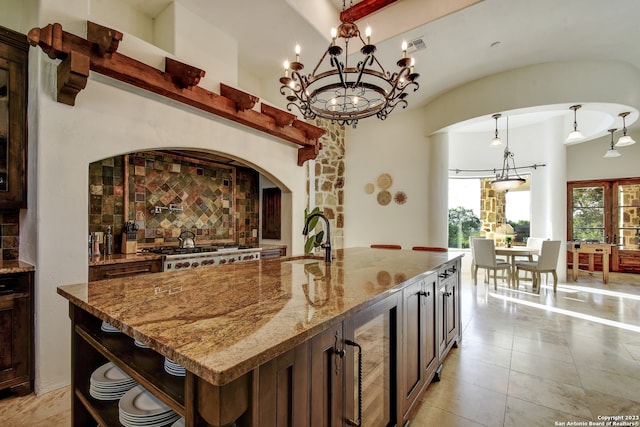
(15, 266)
(221, 322)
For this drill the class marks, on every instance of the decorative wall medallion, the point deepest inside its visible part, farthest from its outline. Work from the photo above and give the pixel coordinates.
(368, 188)
(384, 197)
(384, 181)
(400, 197)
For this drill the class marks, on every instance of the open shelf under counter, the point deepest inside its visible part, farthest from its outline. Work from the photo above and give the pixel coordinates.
(144, 365)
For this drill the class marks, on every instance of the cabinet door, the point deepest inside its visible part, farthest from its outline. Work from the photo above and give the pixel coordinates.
(452, 314)
(284, 390)
(13, 118)
(327, 378)
(371, 376)
(418, 343)
(16, 317)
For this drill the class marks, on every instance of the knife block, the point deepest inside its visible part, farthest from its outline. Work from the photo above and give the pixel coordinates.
(129, 245)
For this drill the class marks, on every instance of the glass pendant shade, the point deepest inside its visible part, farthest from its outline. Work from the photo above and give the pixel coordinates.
(575, 136)
(496, 142)
(625, 140)
(503, 184)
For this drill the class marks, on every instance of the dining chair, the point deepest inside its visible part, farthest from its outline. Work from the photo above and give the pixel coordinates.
(377, 246)
(547, 263)
(484, 252)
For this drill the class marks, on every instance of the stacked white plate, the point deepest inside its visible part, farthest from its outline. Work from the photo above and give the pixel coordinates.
(108, 327)
(140, 344)
(179, 423)
(173, 368)
(108, 382)
(139, 408)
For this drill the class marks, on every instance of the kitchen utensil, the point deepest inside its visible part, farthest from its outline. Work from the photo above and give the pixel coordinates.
(186, 241)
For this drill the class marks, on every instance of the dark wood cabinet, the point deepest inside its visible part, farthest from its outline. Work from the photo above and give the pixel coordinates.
(448, 308)
(122, 269)
(14, 62)
(284, 387)
(16, 332)
(327, 367)
(419, 353)
(372, 364)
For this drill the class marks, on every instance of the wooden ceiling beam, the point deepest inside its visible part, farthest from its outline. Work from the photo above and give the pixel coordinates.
(362, 9)
(178, 82)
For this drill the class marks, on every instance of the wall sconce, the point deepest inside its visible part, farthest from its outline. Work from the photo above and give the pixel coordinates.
(575, 135)
(625, 139)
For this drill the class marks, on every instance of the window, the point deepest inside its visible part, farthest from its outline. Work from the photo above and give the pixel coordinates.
(588, 213)
(628, 225)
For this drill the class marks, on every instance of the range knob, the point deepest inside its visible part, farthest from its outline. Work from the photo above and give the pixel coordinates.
(186, 264)
(178, 265)
(194, 264)
(232, 260)
(223, 261)
(205, 262)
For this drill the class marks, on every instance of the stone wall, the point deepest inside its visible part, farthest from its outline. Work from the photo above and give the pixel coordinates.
(492, 211)
(328, 185)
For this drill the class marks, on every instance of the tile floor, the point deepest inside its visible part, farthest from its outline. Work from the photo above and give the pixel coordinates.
(525, 360)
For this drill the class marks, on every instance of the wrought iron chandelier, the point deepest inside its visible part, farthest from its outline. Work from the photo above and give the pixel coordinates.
(504, 181)
(344, 93)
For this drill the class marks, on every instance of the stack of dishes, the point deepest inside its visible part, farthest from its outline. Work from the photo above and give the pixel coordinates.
(139, 408)
(173, 368)
(179, 423)
(108, 327)
(140, 344)
(108, 382)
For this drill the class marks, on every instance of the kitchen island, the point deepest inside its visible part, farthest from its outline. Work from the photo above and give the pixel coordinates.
(262, 340)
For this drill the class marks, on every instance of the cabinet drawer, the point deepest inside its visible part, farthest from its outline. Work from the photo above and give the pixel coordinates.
(112, 271)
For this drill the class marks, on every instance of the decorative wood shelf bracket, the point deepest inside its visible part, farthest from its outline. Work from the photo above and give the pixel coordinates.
(243, 100)
(73, 73)
(282, 118)
(99, 52)
(183, 75)
(105, 39)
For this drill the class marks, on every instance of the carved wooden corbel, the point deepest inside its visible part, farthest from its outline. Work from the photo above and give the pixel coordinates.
(101, 56)
(105, 39)
(183, 75)
(282, 118)
(243, 100)
(73, 73)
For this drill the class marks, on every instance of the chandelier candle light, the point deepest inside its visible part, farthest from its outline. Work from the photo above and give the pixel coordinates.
(345, 93)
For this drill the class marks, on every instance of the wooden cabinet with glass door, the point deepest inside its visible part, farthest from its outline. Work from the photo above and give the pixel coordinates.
(13, 119)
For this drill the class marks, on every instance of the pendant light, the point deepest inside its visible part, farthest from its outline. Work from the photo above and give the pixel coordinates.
(612, 152)
(496, 142)
(625, 139)
(575, 135)
(504, 181)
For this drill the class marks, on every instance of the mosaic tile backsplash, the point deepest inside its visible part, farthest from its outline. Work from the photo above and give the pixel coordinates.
(218, 203)
(10, 229)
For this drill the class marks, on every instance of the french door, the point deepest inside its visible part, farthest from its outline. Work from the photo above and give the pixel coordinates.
(607, 211)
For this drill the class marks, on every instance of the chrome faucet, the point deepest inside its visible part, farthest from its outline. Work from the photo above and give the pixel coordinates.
(327, 242)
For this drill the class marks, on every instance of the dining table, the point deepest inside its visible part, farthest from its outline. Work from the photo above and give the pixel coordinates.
(511, 253)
